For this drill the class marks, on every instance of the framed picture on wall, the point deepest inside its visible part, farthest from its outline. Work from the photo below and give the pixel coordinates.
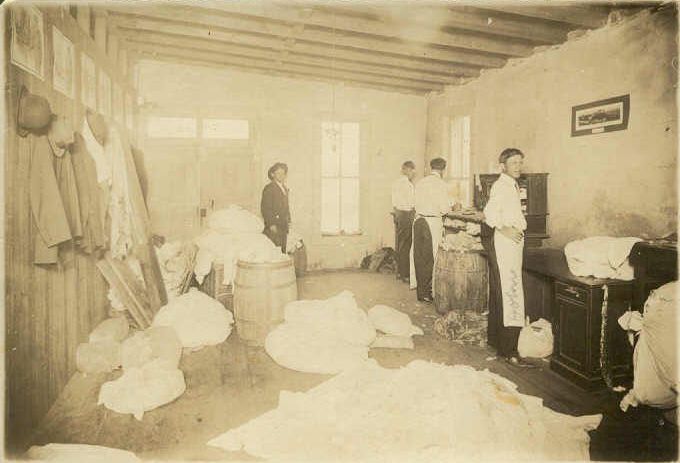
(64, 63)
(104, 93)
(600, 116)
(27, 49)
(88, 82)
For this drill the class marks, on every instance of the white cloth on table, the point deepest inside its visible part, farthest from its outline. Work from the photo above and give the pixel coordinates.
(403, 194)
(504, 209)
(601, 257)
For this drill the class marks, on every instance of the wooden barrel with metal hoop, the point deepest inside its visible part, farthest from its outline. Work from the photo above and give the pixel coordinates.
(261, 291)
(461, 281)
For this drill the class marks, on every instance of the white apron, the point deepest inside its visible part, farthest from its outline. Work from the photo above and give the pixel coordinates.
(436, 226)
(509, 258)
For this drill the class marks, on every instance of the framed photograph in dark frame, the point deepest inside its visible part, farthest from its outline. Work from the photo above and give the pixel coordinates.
(600, 116)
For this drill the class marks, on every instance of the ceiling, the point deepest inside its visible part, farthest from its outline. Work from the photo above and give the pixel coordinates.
(393, 46)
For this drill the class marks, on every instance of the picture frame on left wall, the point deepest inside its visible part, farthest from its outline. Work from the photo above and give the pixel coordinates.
(27, 49)
(88, 82)
(64, 63)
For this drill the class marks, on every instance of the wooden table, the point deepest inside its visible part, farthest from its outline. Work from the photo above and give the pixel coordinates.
(573, 304)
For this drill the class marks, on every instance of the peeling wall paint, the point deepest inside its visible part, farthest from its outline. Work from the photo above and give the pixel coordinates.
(617, 183)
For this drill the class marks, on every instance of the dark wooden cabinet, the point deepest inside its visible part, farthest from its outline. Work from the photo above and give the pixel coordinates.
(534, 192)
(655, 264)
(574, 306)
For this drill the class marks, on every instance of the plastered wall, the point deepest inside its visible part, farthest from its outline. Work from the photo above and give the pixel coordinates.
(618, 183)
(286, 116)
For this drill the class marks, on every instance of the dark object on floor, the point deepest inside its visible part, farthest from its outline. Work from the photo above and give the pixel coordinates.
(384, 261)
(299, 257)
(465, 326)
(640, 434)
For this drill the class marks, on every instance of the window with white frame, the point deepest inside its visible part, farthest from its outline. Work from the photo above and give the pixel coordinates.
(459, 160)
(340, 178)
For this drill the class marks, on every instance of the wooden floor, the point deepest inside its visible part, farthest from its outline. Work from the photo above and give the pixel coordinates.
(230, 384)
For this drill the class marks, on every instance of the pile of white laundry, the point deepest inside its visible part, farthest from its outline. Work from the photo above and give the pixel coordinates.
(395, 327)
(601, 257)
(69, 453)
(655, 380)
(233, 234)
(424, 412)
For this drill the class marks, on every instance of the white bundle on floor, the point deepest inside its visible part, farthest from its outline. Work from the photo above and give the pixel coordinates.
(601, 257)
(235, 219)
(322, 336)
(98, 357)
(198, 319)
(655, 357)
(142, 389)
(229, 248)
(155, 343)
(390, 341)
(391, 321)
(112, 329)
(69, 453)
(536, 339)
(424, 412)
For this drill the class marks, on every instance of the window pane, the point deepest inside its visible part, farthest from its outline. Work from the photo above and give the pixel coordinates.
(350, 149)
(350, 205)
(330, 149)
(330, 205)
(233, 129)
(171, 127)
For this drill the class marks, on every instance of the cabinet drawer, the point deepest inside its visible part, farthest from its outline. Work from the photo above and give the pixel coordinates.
(572, 292)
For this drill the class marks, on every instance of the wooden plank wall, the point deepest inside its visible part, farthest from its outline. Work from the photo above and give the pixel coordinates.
(48, 310)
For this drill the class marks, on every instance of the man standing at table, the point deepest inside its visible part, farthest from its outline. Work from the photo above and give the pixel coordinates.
(503, 213)
(432, 202)
(403, 209)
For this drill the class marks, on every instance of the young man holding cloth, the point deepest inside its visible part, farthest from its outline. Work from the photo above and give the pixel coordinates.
(503, 213)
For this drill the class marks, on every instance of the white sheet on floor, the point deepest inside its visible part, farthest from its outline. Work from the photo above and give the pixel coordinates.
(601, 257)
(70, 453)
(198, 319)
(322, 336)
(655, 355)
(389, 341)
(424, 412)
(392, 321)
(142, 389)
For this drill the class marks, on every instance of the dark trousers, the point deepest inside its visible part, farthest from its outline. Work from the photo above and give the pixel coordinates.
(279, 238)
(403, 225)
(503, 338)
(422, 257)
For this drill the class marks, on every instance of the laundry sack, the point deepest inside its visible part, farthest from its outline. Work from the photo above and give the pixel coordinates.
(111, 329)
(69, 453)
(536, 339)
(159, 342)
(98, 357)
(391, 321)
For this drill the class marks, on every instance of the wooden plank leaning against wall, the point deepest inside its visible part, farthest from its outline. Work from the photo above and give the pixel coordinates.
(49, 311)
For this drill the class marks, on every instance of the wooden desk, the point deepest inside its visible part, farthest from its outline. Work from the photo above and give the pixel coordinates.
(573, 304)
(655, 264)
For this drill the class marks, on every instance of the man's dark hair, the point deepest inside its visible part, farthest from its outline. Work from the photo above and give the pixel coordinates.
(275, 167)
(508, 153)
(408, 164)
(438, 164)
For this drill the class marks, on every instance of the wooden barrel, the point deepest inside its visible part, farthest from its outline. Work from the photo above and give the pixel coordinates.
(461, 281)
(261, 291)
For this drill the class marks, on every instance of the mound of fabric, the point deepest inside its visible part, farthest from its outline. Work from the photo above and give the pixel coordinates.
(103, 351)
(69, 453)
(198, 319)
(235, 219)
(423, 412)
(601, 257)
(144, 388)
(157, 342)
(655, 356)
(395, 328)
(322, 336)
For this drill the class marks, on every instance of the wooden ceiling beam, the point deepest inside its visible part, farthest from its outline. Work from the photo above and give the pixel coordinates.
(590, 17)
(422, 27)
(256, 63)
(170, 58)
(131, 26)
(181, 15)
(137, 37)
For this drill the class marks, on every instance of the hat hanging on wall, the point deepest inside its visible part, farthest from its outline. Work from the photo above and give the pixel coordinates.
(33, 114)
(97, 126)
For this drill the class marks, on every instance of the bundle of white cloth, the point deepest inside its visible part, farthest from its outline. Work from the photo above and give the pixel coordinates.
(655, 356)
(423, 412)
(233, 234)
(69, 453)
(601, 257)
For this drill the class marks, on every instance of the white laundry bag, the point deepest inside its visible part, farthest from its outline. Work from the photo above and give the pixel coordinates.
(69, 453)
(391, 321)
(160, 342)
(111, 329)
(536, 339)
(98, 357)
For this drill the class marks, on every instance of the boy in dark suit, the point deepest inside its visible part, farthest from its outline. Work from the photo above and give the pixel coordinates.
(274, 205)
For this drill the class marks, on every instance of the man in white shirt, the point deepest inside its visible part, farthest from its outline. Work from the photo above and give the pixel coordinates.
(432, 202)
(503, 213)
(403, 210)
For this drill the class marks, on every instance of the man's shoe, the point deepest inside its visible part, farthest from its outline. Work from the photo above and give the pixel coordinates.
(519, 362)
